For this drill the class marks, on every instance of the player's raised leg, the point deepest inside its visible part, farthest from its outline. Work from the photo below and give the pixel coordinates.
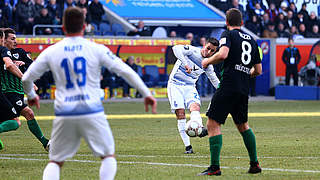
(34, 127)
(249, 140)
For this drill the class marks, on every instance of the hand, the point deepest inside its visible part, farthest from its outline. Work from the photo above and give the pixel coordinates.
(35, 87)
(150, 100)
(205, 63)
(19, 63)
(188, 69)
(34, 102)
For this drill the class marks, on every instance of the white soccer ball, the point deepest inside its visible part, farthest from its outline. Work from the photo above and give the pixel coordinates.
(193, 128)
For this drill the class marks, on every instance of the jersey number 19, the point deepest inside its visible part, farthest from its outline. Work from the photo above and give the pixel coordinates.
(79, 67)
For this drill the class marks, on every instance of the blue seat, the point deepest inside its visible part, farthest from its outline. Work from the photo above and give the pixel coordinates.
(117, 29)
(153, 78)
(105, 29)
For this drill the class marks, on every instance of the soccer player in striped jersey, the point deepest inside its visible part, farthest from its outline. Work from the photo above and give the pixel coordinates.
(12, 86)
(76, 64)
(182, 92)
(9, 119)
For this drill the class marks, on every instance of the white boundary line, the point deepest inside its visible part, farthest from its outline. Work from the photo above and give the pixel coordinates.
(165, 164)
(182, 156)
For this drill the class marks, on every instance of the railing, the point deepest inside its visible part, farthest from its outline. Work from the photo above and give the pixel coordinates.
(43, 25)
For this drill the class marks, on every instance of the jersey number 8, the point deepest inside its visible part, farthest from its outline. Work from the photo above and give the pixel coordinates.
(79, 67)
(246, 52)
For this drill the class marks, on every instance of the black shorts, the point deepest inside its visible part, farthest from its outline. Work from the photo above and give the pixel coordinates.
(17, 100)
(7, 110)
(224, 102)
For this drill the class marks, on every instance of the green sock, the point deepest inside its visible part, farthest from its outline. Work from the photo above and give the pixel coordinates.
(250, 142)
(8, 125)
(215, 148)
(36, 131)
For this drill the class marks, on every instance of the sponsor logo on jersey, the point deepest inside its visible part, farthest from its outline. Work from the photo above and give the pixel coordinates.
(9, 53)
(19, 103)
(16, 55)
(222, 41)
(14, 110)
(186, 47)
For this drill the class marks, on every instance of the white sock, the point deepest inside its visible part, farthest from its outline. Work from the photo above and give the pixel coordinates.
(196, 116)
(108, 168)
(181, 126)
(51, 172)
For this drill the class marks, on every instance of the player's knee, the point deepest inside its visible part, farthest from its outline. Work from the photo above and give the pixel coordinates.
(195, 107)
(243, 127)
(28, 113)
(18, 122)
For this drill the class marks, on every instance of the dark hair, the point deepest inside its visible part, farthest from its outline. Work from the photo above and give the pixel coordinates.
(213, 41)
(8, 31)
(73, 20)
(1, 32)
(234, 17)
(290, 38)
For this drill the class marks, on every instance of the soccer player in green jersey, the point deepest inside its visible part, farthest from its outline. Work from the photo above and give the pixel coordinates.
(12, 86)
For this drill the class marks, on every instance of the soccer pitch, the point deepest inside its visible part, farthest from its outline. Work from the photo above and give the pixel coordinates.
(149, 146)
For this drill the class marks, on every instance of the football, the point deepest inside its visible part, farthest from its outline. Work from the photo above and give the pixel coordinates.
(193, 128)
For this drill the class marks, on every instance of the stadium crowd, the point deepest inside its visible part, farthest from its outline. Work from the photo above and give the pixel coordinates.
(279, 18)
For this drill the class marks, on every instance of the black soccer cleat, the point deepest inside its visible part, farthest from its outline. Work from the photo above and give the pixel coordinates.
(189, 150)
(254, 168)
(212, 170)
(204, 132)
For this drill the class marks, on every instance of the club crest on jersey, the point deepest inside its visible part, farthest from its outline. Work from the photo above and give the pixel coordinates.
(186, 47)
(222, 41)
(16, 55)
(19, 103)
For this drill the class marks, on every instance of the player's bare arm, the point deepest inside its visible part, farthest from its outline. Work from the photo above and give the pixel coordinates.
(150, 100)
(217, 58)
(256, 70)
(10, 66)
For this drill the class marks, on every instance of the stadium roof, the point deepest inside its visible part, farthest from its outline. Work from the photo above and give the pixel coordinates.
(167, 12)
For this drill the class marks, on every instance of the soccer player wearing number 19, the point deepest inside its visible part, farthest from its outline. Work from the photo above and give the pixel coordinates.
(241, 60)
(76, 67)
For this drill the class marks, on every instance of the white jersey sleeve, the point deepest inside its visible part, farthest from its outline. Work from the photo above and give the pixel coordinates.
(180, 51)
(116, 65)
(212, 76)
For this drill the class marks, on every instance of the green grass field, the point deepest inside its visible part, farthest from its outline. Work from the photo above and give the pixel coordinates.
(150, 147)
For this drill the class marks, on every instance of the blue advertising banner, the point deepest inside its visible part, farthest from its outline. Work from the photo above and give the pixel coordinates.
(263, 81)
(162, 9)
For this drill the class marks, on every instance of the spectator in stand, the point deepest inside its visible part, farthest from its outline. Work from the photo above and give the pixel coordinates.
(312, 21)
(173, 34)
(190, 37)
(38, 6)
(235, 4)
(294, 9)
(264, 23)
(281, 19)
(54, 11)
(96, 10)
(140, 30)
(43, 18)
(258, 10)
(300, 19)
(291, 58)
(68, 3)
(125, 85)
(283, 8)
(302, 30)
(6, 14)
(220, 4)
(272, 12)
(25, 14)
(89, 30)
(270, 31)
(315, 32)
(304, 11)
(253, 25)
(82, 3)
(294, 33)
(290, 20)
(108, 79)
(281, 31)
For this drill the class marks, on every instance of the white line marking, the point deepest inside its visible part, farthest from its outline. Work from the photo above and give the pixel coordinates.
(166, 164)
(182, 156)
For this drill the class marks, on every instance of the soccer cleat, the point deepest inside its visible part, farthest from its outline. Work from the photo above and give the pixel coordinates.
(254, 168)
(204, 132)
(212, 170)
(189, 150)
(1, 145)
(47, 147)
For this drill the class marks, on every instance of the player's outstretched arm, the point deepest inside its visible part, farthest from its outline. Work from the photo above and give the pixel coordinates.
(34, 102)
(11, 67)
(150, 100)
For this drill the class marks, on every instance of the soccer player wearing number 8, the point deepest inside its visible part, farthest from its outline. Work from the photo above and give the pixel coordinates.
(241, 60)
(76, 65)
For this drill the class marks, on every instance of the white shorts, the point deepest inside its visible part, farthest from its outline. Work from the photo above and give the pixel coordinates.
(68, 131)
(181, 96)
